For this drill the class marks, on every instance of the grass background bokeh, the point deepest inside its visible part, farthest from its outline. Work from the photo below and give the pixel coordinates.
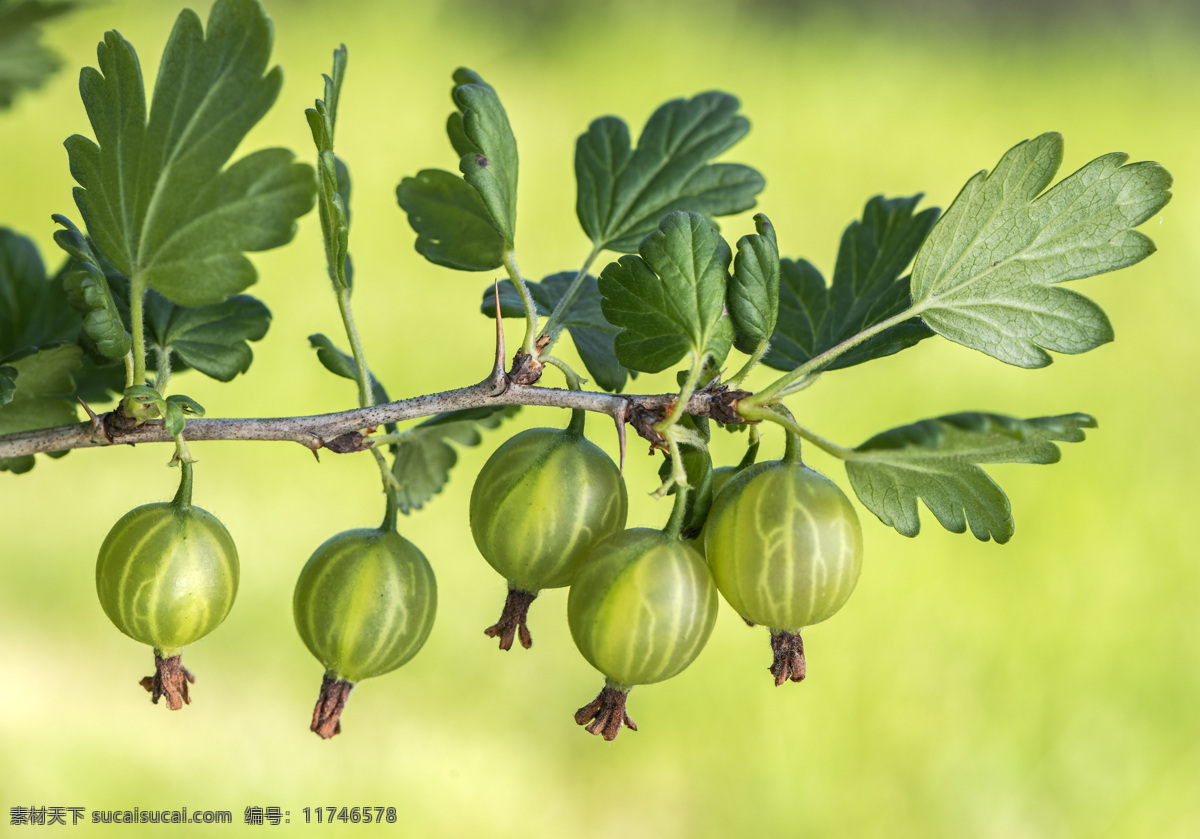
(1046, 688)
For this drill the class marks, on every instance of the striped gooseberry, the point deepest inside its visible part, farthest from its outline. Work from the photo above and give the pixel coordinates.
(785, 548)
(364, 604)
(640, 611)
(167, 575)
(539, 504)
(720, 477)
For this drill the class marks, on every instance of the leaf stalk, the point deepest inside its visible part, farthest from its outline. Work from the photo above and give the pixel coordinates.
(554, 323)
(528, 346)
(796, 379)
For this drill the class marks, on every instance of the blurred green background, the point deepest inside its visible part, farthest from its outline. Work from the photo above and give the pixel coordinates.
(1046, 688)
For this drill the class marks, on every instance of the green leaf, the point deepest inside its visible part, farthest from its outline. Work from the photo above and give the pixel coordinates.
(41, 397)
(592, 334)
(484, 139)
(33, 309)
(986, 276)
(452, 224)
(153, 194)
(754, 286)
(333, 179)
(669, 299)
(89, 294)
(186, 404)
(173, 419)
(869, 286)
(8, 384)
(624, 192)
(342, 364)
(24, 63)
(211, 339)
(174, 410)
(937, 460)
(425, 456)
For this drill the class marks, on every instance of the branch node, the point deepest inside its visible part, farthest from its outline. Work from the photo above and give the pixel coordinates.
(526, 369)
(347, 443)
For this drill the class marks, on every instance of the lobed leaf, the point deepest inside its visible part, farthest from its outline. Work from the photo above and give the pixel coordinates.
(425, 456)
(624, 192)
(754, 286)
(24, 63)
(938, 460)
(669, 299)
(869, 286)
(987, 275)
(480, 133)
(593, 335)
(33, 309)
(153, 192)
(8, 384)
(39, 394)
(452, 223)
(35, 312)
(89, 294)
(333, 179)
(212, 339)
(342, 364)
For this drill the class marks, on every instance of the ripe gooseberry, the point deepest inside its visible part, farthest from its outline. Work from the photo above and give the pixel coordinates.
(167, 575)
(539, 504)
(785, 548)
(640, 610)
(364, 604)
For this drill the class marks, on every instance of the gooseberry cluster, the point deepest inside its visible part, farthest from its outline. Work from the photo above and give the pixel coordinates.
(548, 510)
(154, 288)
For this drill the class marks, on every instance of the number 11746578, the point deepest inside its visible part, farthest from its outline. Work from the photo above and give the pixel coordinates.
(349, 815)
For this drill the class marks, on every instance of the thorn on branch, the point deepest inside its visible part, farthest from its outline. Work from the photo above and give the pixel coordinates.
(97, 423)
(620, 417)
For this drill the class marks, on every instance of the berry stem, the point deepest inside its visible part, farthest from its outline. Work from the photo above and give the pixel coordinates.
(605, 714)
(573, 383)
(513, 620)
(554, 322)
(528, 346)
(327, 714)
(678, 512)
(183, 496)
